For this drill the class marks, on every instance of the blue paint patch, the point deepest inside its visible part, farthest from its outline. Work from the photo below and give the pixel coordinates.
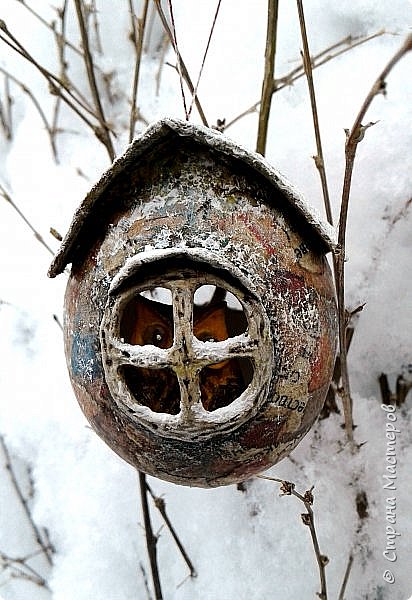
(84, 357)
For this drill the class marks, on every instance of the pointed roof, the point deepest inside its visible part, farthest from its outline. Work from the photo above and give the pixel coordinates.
(166, 131)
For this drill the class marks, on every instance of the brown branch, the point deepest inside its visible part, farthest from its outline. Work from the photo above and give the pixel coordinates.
(354, 136)
(181, 67)
(61, 47)
(37, 235)
(138, 29)
(92, 11)
(151, 539)
(318, 60)
(267, 85)
(287, 488)
(20, 569)
(104, 133)
(38, 108)
(6, 114)
(402, 389)
(49, 26)
(319, 160)
(194, 94)
(161, 506)
(346, 577)
(45, 548)
(54, 82)
(56, 86)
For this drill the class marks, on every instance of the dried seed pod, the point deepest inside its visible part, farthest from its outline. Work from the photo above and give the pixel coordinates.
(200, 318)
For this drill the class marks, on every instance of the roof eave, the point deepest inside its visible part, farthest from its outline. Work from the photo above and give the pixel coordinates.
(207, 137)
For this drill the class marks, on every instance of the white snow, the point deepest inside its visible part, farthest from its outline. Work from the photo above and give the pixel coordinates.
(245, 545)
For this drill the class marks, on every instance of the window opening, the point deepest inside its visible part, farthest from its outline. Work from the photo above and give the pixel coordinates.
(158, 389)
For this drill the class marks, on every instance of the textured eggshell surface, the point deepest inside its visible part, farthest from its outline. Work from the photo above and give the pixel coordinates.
(198, 200)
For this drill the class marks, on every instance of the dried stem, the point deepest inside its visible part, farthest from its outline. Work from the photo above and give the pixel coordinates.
(288, 489)
(318, 60)
(151, 539)
(181, 67)
(267, 85)
(56, 86)
(138, 29)
(20, 569)
(319, 160)
(6, 115)
(161, 506)
(37, 235)
(92, 11)
(49, 26)
(346, 577)
(194, 94)
(104, 133)
(61, 47)
(45, 548)
(354, 136)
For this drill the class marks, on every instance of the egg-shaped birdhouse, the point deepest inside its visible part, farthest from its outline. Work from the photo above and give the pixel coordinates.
(200, 318)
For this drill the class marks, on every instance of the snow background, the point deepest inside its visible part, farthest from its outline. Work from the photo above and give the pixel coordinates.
(245, 545)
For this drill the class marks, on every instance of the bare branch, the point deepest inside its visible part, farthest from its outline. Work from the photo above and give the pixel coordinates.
(105, 136)
(354, 136)
(151, 539)
(319, 160)
(138, 29)
(318, 60)
(194, 94)
(181, 67)
(6, 115)
(346, 577)
(288, 489)
(161, 506)
(46, 548)
(267, 86)
(56, 87)
(37, 106)
(61, 47)
(37, 235)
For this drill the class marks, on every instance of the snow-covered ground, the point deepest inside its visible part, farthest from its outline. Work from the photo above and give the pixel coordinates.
(245, 545)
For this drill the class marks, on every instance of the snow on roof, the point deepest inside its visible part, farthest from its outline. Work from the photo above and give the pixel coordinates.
(172, 127)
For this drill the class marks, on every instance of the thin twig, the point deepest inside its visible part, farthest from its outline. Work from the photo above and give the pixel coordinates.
(37, 235)
(61, 47)
(319, 160)
(46, 548)
(151, 539)
(296, 73)
(56, 86)
(178, 56)
(6, 114)
(49, 26)
(288, 489)
(38, 108)
(346, 577)
(354, 136)
(104, 134)
(145, 581)
(267, 85)
(92, 11)
(161, 506)
(194, 94)
(138, 29)
(20, 568)
(54, 82)
(181, 67)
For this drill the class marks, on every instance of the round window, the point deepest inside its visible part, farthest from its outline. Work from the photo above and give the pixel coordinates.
(186, 346)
